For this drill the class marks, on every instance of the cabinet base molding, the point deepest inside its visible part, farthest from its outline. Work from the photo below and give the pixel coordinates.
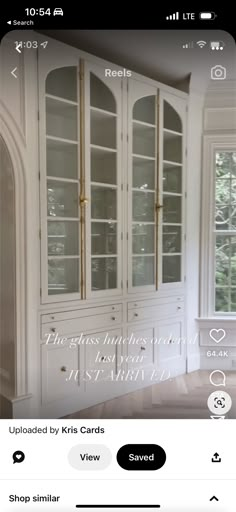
(81, 401)
(15, 408)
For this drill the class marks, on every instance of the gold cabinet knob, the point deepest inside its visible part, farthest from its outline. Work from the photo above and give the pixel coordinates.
(159, 206)
(63, 369)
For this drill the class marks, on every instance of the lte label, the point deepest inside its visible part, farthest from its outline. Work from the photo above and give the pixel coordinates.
(188, 15)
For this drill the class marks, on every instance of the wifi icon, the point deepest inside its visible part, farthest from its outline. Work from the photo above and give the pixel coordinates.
(201, 44)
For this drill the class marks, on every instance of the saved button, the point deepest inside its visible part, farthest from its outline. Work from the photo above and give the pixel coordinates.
(141, 457)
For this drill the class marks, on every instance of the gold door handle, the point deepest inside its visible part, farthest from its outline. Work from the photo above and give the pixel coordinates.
(83, 200)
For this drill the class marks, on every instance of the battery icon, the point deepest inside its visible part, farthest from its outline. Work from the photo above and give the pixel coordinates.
(207, 15)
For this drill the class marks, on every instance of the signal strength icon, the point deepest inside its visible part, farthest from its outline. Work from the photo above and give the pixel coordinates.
(188, 45)
(173, 17)
(201, 44)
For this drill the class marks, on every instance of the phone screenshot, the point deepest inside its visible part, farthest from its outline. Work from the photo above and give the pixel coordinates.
(117, 261)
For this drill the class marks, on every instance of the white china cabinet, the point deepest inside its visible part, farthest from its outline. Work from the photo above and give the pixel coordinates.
(112, 163)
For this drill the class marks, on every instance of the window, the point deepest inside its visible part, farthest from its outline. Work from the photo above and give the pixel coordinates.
(218, 228)
(225, 231)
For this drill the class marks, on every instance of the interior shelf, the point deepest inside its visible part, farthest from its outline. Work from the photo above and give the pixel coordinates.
(144, 157)
(144, 140)
(105, 149)
(103, 112)
(169, 164)
(61, 139)
(171, 133)
(61, 119)
(143, 123)
(63, 180)
(63, 100)
(64, 257)
(103, 129)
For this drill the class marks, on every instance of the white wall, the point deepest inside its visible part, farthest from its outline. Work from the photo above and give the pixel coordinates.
(193, 201)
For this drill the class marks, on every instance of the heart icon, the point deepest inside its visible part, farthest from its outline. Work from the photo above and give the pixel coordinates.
(217, 335)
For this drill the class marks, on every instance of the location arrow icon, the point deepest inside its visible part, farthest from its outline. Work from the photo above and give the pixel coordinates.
(214, 498)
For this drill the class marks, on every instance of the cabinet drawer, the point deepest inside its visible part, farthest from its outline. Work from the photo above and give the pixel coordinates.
(80, 325)
(155, 312)
(57, 364)
(155, 302)
(81, 313)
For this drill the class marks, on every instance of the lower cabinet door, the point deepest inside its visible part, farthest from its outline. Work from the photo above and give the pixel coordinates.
(141, 347)
(171, 347)
(103, 365)
(140, 357)
(61, 376)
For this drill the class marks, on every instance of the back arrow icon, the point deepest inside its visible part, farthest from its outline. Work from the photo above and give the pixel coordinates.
(13, 73)
(18, 46)
(214, 498)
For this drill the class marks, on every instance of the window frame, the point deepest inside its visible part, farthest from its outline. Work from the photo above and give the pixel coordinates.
(211, 145)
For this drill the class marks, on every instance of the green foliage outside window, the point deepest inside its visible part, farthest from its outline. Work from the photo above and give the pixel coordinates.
(225, 226)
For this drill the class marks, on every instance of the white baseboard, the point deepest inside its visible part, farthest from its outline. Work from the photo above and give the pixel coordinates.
(193, 363)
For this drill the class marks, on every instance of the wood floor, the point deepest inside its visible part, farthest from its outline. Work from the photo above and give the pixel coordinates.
(183, 397)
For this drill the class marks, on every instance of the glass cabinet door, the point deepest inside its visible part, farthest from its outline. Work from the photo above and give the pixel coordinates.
(172, 194)
(62, 182)
(142, 165)
(103, 182)
(100, 141)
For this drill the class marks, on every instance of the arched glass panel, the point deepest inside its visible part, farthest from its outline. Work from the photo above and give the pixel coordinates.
(144, 191)
(63, 181)
(172, 120)
(144, 110)
(104, 191)
(62, 82)
(172, 195)
(100, 95)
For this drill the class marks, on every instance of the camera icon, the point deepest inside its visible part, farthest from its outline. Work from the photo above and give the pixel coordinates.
(218, 72)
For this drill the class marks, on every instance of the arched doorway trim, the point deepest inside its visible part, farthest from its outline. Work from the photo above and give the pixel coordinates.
(10, 137)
